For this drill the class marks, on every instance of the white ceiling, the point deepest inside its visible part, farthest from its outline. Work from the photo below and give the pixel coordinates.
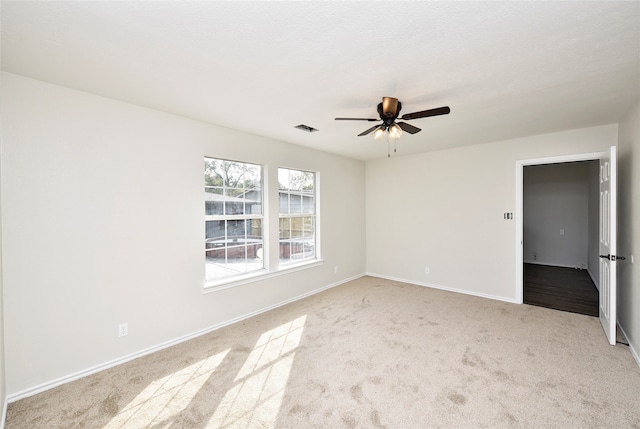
(506, 69)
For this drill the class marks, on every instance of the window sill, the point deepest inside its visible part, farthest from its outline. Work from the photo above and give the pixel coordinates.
(214, 286)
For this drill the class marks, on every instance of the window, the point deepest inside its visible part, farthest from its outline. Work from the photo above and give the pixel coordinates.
(233, 218)
(297, 202)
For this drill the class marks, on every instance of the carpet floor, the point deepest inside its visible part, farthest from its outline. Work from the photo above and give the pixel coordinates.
(371, 353)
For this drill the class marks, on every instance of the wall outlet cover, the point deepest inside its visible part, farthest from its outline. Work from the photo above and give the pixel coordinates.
(123, 329)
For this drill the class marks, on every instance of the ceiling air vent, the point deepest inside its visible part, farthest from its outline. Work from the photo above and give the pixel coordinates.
(306, 128)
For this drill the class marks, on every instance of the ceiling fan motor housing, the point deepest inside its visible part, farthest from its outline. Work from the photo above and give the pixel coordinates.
(389, 110)
(389, 107)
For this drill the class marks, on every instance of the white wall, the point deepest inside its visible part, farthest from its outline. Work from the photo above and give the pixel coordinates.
(103, 224)
(445, 210)
(629, 226)
(555, 198)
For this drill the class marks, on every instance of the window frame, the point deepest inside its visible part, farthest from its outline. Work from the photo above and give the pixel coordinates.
(301, 215)
(233, 217)
(270, 233)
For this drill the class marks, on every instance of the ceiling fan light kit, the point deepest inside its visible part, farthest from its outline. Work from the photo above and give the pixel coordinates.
(379, 132)
(389, 110)
(395, 131)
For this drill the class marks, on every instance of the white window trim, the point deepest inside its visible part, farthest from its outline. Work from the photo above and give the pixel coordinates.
(316, 217)
(218, 285)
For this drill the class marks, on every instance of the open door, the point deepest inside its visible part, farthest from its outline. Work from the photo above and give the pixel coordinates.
(608, 230)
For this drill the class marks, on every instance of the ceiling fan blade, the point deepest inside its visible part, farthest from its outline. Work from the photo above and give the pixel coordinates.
(357, 119)
(389, 106)
(408, 128)
(369, 131)
(426, 113)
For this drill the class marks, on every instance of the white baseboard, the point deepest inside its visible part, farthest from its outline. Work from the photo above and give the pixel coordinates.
(450, 289)
(549, 264)
(95, 369)
(632, 348)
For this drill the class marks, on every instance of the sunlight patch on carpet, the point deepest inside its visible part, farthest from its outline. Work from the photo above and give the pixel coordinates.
(255, 398)
(167, 396)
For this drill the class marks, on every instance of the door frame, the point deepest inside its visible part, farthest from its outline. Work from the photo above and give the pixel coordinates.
(519, 214)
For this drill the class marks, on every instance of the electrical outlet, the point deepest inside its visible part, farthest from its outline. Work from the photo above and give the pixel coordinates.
(427, 270)
(562, 232)
(335, 269)
(123, 329)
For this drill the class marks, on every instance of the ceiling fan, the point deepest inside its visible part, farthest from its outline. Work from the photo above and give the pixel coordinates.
(389, 110)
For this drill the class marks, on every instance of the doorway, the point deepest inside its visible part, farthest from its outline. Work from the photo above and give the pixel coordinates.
(519, 214)
(561, 236)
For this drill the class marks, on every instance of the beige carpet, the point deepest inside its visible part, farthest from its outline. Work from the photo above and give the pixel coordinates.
(368, 354)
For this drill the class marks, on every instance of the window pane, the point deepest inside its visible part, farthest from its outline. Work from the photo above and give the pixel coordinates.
(285, 228)
(296, 227)
(307, 204)
(235, 230)
(232, 205)
(308, 227)
(215, 230)
(213, 200)
(253, 200)
(283, 179)
(283, 197)
(295, 180)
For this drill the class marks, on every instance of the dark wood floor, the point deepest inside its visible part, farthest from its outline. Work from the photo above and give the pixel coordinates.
(565, 289)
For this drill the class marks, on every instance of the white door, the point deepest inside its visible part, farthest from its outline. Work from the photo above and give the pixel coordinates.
(608, 229)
